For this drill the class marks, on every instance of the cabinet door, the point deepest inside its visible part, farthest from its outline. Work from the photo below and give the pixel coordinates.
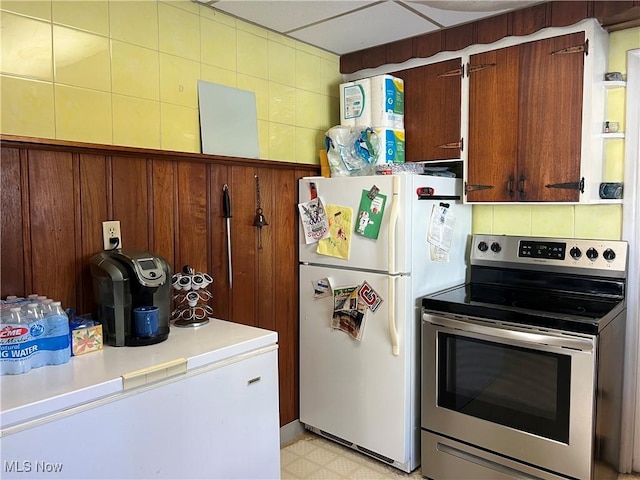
(550, 124)
(493, 126)
(432, 111)
(525, 122)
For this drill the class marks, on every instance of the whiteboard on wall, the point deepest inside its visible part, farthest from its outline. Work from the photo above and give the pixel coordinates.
(228, 121)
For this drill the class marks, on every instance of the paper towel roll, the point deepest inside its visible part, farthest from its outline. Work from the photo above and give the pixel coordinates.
(387, 102)
(391, 145)
(373, 102)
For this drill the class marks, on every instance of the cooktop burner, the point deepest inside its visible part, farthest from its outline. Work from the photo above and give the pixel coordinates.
(544, 309)
(550, 302)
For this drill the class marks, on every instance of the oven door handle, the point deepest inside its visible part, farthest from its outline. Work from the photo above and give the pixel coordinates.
(513, 335)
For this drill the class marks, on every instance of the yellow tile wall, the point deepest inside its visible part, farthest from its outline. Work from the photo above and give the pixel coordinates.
(573, 221)
(124, 72)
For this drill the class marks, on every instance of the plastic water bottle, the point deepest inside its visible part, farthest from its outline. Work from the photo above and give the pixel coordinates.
(45, 307)
(57, 342)
(37, 330)
(16, 346)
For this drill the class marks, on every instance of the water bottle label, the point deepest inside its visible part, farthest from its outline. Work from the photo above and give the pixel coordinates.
(18, 351)
(13, 333)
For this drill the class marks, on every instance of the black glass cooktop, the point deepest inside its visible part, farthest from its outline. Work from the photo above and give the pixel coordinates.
(552, 309)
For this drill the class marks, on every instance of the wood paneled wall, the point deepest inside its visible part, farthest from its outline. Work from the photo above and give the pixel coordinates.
(55, 196)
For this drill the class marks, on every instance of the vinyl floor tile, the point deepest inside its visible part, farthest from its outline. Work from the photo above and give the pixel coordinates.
(313, 457)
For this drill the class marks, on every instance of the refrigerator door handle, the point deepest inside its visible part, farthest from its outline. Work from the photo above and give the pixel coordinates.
(393, 221)
(393, 329)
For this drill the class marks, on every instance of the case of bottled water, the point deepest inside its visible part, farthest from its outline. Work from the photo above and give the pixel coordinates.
(33, 333)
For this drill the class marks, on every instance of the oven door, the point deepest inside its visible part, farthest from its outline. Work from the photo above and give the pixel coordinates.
(520, 392)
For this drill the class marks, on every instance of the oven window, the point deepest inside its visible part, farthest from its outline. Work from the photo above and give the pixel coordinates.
(517, 387)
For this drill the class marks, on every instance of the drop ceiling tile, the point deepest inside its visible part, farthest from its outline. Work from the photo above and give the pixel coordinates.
(449, 18)
(284, 16)
(455, 12)
(365, 28)
(343, 26)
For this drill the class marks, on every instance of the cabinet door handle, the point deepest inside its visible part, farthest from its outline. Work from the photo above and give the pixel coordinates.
(477, 68)
(579, 185)
(474, 188)
(584, 48)
(510, 186)
(254, 380)
(457, 144)
(523, 194)
(456, 72)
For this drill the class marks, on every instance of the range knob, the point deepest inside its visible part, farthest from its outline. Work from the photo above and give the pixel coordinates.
(592, 254)
(609, 255)
(575, 253)
(495, 247)
(483, 247)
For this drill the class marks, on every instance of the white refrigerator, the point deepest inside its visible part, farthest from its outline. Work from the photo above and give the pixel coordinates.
(366, 393)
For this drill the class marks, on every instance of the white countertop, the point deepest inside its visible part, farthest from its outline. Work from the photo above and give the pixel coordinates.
(95, 375)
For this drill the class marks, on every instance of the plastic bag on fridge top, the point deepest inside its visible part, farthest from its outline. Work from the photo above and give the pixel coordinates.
(351, 150)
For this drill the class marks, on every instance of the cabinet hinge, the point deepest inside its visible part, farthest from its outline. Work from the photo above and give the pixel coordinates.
(476, 68)
(456, 72)
(474, 188)
(584, 48)
(457, 144)
(579, 185)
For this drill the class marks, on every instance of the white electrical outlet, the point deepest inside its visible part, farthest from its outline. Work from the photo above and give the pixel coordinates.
(111, 230)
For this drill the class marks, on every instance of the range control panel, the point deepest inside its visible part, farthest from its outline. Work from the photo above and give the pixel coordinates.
(552, 250)
(553, 254)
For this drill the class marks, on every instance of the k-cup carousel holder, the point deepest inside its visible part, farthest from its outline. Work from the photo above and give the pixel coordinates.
(191, 298)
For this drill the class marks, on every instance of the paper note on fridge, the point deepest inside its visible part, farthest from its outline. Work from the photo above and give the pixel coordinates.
(338, 243)
(441, 224)
(321, 288)
(314, 220)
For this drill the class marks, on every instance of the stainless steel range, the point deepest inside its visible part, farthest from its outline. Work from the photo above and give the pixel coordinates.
(522, 366)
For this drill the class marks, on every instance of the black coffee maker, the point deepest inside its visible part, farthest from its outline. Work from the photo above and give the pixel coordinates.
(124, 280)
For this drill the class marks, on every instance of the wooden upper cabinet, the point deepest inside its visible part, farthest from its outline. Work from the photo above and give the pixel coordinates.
(493, 125)
(550, 127)
(432, 110)
(525, 122)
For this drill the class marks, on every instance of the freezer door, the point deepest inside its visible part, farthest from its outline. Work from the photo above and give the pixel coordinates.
(365, 253)
(402, 245)
(359, 390)
(429, 272)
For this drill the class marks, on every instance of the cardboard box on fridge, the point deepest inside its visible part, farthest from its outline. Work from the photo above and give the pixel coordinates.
(391, 145)
(325, 169)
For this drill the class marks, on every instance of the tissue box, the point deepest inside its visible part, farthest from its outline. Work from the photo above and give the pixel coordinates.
(86, 336)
